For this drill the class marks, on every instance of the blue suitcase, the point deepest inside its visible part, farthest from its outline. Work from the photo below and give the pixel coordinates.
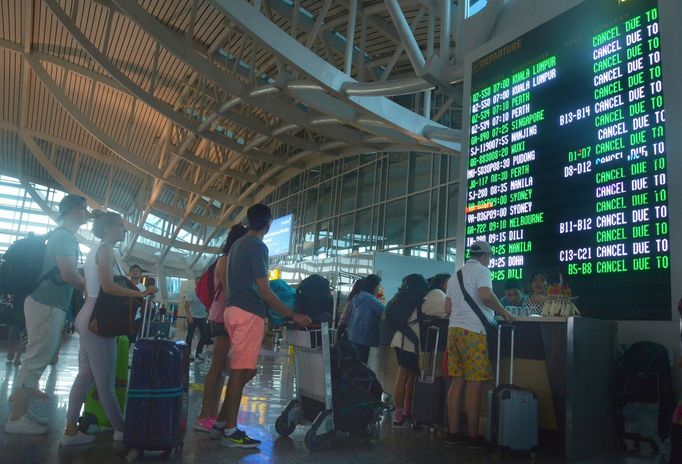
(512, 411)
(156, 412)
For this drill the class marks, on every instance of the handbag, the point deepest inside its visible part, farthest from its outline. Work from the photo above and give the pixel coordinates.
(114, 315)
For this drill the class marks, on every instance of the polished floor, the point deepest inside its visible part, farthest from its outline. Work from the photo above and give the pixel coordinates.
(265, 397)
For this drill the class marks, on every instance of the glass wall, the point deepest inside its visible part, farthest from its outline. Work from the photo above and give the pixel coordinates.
(399, 202)
(20, 213)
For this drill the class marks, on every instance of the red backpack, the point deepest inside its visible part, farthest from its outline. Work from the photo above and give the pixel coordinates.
(206, 291)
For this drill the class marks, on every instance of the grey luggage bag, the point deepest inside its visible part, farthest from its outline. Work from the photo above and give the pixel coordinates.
(512, 411)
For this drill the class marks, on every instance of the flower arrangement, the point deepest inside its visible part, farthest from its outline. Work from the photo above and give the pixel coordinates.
(559, 302)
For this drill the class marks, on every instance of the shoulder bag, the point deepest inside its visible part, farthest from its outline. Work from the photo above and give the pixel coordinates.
(114, 315)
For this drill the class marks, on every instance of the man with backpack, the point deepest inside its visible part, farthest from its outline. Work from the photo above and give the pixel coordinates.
(45, 310)
(249, 297)
(473, 306)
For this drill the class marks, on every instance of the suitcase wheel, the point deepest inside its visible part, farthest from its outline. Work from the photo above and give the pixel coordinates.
(85, 421)
(312, 441)
(315, 442)
(283, 427)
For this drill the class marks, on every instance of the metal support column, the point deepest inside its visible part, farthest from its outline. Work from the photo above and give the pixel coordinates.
(411, 45)
(350, 36)
(445, 26)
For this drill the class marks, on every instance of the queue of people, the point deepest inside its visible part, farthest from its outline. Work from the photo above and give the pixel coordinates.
(236, 323)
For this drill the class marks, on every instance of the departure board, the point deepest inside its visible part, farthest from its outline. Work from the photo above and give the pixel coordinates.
(567, 158)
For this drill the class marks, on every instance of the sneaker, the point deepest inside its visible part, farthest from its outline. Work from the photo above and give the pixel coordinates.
(476, 442)
(38, 410)
(38, 416)
(239, 439)
(24, 426)
(455, 438)
(204, 425)
(118, 435)
(79, 438)
(217, 430)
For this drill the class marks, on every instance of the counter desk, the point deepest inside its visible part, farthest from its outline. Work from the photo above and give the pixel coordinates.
(568, 363)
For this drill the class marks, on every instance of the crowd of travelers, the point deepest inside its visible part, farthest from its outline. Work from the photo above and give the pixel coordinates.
(235, 321)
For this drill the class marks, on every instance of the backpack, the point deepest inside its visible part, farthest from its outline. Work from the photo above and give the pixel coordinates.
(643, 376)
(22, 266)
(314, 298)
(399, 309)
(205, 288)
(286, 294)
(356, 393)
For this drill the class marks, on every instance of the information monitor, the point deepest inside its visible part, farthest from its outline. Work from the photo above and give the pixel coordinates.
(278, 238)
(567, 158)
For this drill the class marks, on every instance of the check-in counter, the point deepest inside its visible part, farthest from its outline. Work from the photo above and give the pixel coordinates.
(568, 363)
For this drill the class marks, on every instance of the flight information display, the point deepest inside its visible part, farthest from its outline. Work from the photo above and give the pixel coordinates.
(567, 159)
(278, 238)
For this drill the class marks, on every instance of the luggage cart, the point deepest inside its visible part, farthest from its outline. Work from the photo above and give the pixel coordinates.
(313, 403)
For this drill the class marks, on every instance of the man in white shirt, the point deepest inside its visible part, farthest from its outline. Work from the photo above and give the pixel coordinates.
(468, 361)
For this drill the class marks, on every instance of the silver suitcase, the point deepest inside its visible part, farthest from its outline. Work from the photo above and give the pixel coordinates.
(512, 411)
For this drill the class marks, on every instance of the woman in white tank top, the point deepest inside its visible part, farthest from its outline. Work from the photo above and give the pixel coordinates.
(97, 355)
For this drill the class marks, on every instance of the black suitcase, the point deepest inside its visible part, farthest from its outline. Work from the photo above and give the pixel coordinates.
(428, 403)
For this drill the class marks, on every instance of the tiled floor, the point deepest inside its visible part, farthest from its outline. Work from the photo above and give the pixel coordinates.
(265, 398)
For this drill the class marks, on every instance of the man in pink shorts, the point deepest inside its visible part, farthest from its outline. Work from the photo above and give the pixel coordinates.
(248, 298)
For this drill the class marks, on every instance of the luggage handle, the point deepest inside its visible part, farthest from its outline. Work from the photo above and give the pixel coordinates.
(146, 317)
(499, 353)
(434, 353)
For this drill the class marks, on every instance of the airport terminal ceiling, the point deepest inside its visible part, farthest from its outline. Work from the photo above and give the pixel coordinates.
(181, 114)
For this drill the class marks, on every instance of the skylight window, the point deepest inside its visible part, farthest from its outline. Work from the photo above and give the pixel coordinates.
(474, 6)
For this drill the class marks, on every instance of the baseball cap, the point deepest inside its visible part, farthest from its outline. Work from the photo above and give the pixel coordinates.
(480, 247)
(70, 202)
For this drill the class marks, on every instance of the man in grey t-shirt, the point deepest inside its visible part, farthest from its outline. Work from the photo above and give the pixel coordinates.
(45, 311)
(250, 295)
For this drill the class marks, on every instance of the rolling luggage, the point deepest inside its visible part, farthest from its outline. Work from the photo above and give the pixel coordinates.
(93, 417)
(156, 414)
(512, 411)
(428, 403)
